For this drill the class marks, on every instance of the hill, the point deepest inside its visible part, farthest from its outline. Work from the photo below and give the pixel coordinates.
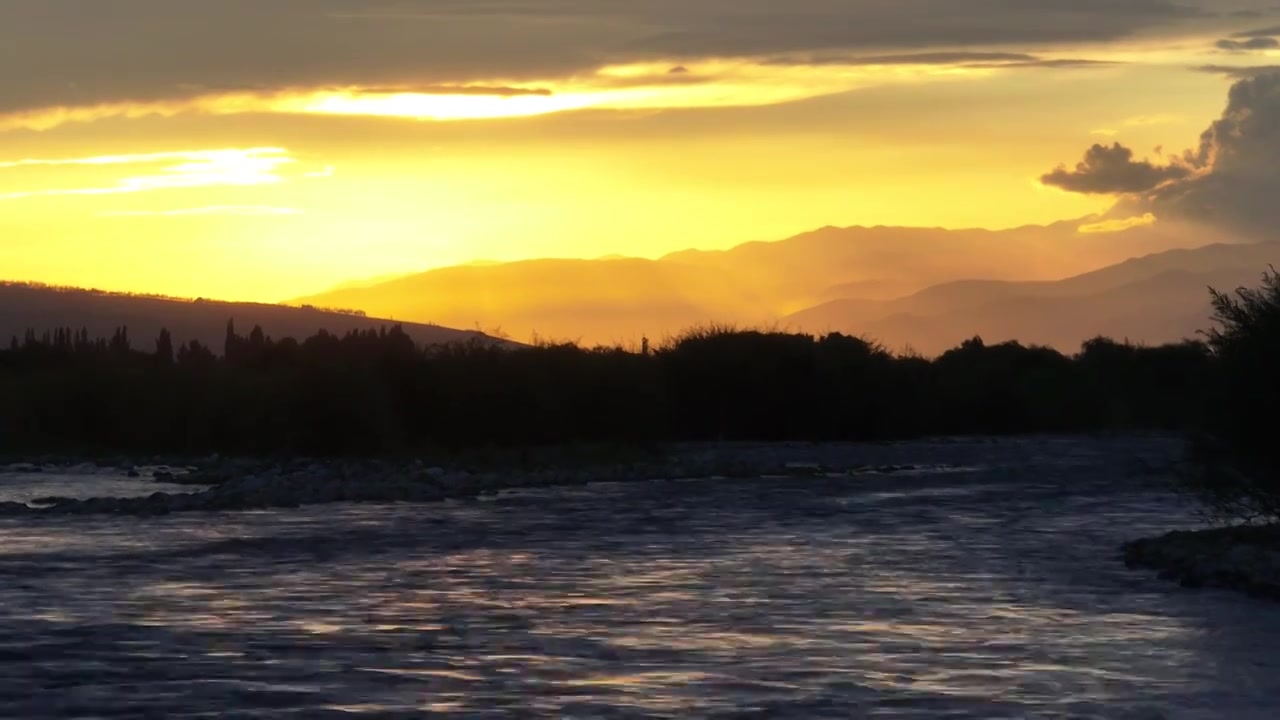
(612, 300)
(1157, 298)
(40, 308)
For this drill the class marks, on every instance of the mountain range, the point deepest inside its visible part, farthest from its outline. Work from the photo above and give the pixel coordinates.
(923, 288)
(926, 289)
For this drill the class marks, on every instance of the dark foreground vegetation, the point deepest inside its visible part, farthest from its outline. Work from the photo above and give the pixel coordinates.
(376, 392)
(1234, 467)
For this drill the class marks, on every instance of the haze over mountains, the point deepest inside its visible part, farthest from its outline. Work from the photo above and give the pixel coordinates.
(920, 287)
(926, 289)
(1154, 299)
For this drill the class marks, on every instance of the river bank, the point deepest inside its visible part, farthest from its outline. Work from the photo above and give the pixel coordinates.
(226, 484)
(1244, 558)
(253, 485)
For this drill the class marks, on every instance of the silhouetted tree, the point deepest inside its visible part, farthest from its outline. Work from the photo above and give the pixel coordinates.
(1236, 466)
(120, 341)
(164, 348)
(376, 391)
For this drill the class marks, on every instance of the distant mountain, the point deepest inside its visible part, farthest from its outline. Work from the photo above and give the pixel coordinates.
(603, 301)
(39, 308)
(1157, 298)
(887, 262)
(613, 299)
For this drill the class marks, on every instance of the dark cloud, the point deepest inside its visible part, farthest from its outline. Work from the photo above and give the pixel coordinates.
(1237, 72)
(930, 58)
(1045, 63)
(960, 58)
(1233, 178)
(1241, 155)
(1261, 32)
(1255, 43)
(1112, 170)
(76, 52)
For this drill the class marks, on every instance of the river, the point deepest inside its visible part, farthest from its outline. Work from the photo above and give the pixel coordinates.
(986, 586)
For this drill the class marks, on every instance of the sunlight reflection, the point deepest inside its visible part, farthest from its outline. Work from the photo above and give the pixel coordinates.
(735, 600)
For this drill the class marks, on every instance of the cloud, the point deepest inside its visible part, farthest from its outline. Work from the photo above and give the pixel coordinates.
(1112, 170)
(1237, 72)
(961, 59)
(1239, 156)
(1259, 33)
(136, 55)
(1117, 224)
(1231, 180)
(211, 156)
(735, 82)
(1063, 63)
(181, 169)
(924, 58)
(1254, 43)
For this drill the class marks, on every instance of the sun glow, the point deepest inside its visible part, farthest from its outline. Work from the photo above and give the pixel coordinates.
(439, 107)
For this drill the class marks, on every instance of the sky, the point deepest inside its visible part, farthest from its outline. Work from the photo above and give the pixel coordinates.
(269, 149)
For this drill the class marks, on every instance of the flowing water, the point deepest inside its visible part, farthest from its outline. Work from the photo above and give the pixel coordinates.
(986, 587)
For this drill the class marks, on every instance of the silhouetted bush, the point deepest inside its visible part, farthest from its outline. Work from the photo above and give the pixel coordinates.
(377, 392)
(1234, 462)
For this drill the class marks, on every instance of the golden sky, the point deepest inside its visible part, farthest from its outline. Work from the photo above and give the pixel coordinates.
(268, 149)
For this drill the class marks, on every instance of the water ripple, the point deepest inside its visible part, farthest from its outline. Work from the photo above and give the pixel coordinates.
(994, 593)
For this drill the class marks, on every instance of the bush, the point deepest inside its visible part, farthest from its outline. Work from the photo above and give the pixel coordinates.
(1234, 465)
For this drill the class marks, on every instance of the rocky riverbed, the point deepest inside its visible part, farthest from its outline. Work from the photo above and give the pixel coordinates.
(237, 484)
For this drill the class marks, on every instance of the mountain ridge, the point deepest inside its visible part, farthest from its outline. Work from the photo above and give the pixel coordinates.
(615, 299)
(1157, 298)
(40, 308)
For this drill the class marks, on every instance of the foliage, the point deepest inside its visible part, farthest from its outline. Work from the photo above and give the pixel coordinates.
(1234, 468)
(376, 392)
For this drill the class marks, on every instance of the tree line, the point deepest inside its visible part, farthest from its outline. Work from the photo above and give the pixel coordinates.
(375, 391)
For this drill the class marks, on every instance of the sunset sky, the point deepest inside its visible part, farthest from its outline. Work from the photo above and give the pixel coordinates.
(266, 149)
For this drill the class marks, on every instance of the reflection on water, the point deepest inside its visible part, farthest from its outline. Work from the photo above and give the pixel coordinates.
(991, 594)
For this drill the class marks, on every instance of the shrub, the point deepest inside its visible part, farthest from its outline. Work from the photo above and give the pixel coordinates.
(1234, 467)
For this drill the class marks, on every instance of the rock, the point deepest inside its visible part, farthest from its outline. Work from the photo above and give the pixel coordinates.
(1239, 558)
